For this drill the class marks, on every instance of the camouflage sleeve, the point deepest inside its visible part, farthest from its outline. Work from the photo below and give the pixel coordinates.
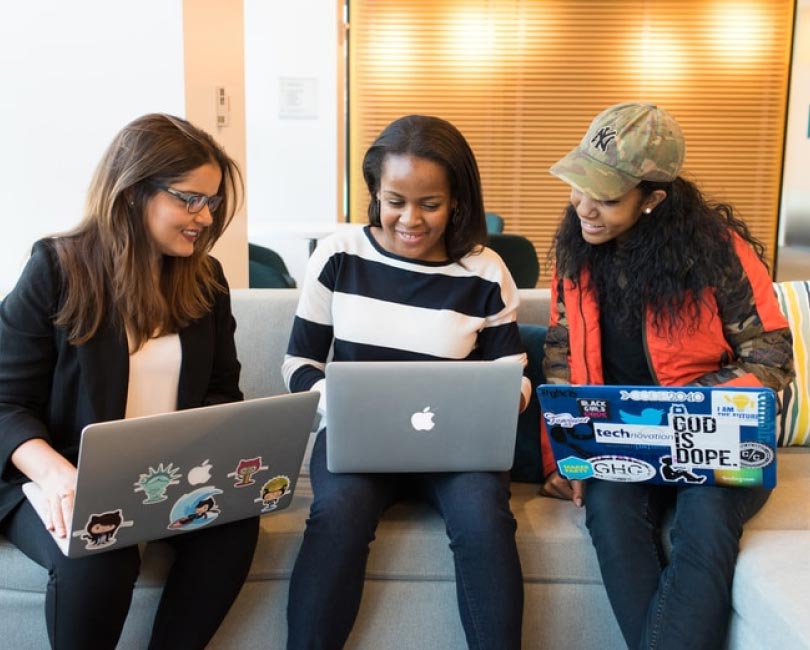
(557, 348)
(766, 354)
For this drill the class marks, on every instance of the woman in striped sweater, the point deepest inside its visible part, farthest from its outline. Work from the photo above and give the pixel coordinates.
(417, 283)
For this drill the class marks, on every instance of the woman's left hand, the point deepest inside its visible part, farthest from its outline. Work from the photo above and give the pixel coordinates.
(559, 487)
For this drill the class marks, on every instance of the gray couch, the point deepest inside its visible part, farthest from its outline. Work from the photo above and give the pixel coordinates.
(409, 600)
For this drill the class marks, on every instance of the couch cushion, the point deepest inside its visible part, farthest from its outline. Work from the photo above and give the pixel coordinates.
(788, 507)
(794, 421)
(770, 591)
(263, 321)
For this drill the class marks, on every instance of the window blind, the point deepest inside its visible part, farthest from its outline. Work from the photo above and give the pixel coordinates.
(522, 80)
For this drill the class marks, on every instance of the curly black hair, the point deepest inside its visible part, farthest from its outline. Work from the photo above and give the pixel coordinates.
(682, 247)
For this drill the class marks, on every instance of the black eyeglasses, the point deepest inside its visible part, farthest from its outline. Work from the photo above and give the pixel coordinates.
(194, 202)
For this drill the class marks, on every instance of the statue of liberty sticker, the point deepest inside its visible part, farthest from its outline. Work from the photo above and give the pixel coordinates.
(154, 482)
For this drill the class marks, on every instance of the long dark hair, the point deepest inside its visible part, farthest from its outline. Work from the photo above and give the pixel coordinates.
(435, 139)
(108, 259)
(670, 256)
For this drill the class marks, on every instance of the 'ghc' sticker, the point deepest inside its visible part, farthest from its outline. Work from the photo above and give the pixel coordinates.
(621, 469)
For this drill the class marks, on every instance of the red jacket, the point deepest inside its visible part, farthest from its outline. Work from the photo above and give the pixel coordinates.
(742, 337)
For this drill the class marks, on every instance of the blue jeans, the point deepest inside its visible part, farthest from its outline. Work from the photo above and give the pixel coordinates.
(684, 602)
(327, 581)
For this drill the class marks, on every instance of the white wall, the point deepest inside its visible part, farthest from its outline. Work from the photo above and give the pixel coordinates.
(292, 168)
(795, 212)
(73, 73)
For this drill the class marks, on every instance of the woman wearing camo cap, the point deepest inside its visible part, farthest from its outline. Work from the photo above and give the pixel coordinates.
(655, 285)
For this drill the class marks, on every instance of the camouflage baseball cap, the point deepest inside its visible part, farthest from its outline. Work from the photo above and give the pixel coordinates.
(625, 144)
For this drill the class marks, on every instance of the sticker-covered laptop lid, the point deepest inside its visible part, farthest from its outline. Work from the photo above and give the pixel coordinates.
(666, 435)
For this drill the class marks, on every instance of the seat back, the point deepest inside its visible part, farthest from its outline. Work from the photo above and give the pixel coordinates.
(494, 222)
(520, 257)
(267, 270)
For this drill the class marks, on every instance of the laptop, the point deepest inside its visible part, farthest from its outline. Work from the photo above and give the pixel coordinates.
(146, 478)
(421, 416)
(665, 435)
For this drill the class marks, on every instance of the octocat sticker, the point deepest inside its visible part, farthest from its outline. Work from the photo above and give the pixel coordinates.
(272, 491)
(245, 470)
(101, 529)
(195, 509)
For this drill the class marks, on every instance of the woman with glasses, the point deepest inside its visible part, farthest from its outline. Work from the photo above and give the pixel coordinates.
(125, 315)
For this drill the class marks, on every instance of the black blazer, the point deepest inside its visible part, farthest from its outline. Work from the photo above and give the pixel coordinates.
(51, 389)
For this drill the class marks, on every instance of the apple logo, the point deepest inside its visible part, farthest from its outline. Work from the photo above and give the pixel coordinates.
(201, 474)
(423, 420)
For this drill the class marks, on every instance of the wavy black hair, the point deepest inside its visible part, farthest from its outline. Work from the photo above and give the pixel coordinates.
(435, 139)
(682, 247)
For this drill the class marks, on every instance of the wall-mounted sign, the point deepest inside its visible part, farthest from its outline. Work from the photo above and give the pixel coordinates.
(298, 98)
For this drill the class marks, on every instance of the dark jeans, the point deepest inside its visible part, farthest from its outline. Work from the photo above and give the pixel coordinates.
(87, 599)
(327, 581)
(684, 602)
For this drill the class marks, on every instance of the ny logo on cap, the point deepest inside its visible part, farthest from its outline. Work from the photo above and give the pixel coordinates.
(603, 138)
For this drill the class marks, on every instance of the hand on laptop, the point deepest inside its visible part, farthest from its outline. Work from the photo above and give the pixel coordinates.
(561, 488)
(55, 476)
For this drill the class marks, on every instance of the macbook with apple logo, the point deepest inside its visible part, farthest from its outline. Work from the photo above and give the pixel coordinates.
(142, 479)
(421, 416)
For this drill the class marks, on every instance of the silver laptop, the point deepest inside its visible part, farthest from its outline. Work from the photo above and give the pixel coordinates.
(146, 478)
(421, 416)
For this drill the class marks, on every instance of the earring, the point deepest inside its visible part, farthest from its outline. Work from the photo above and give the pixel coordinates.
(647, 210)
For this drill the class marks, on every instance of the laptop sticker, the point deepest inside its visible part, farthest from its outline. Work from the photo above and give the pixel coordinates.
(195, 509)
(755, 454)
(621, 468)
(155, 481)
(674, 474)
(200, 474)
(245, 470)
(272, 491)
(596, 409)
(101, 529)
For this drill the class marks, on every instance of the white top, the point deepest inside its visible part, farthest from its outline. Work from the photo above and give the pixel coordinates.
(154, 374)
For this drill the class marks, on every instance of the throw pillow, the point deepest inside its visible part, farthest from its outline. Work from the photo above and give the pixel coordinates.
(793, 426)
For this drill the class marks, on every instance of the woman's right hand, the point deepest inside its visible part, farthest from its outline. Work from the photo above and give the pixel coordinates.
(55, 476)
(559, 487)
